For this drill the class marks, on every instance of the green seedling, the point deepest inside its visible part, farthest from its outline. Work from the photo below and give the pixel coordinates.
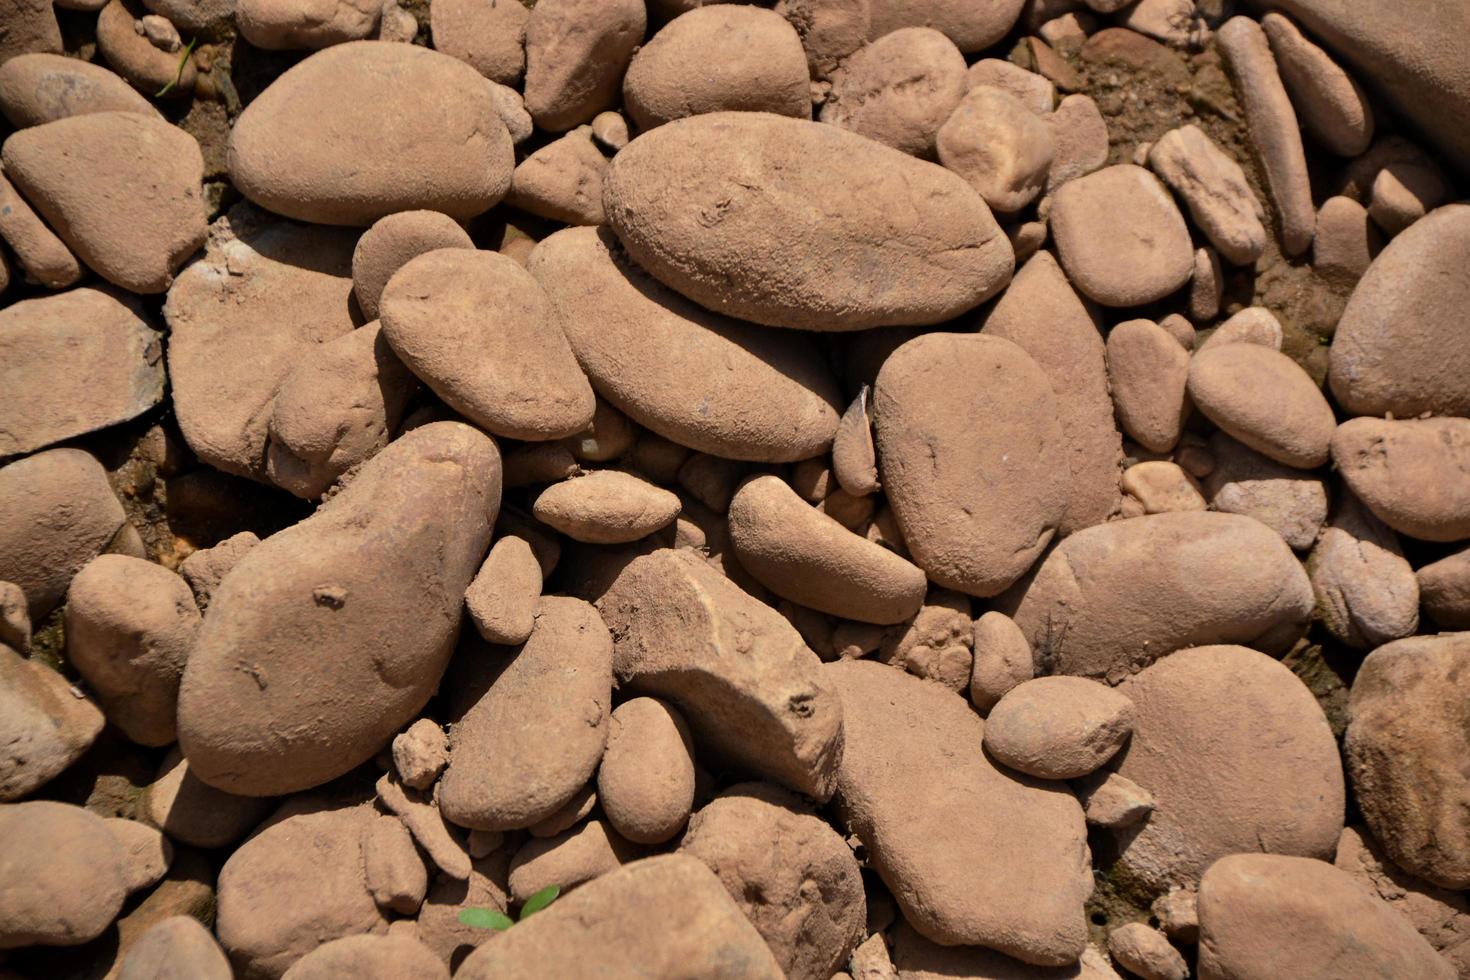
(491, 919)
(180, 73)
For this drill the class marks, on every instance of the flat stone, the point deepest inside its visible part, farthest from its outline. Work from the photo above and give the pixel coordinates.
(72, 364)
(1120, 237)
(122, 190)
(1148, 371)
(1215, 189)
(1266, 915)
(364, 129)
(1406, 731)
(1412, 474)
(1264, 399)
(41, 88)
(954, 848)
(1403, 344)
(1114, 598)
(1273, 784)
(976, 508)
(1080, 137)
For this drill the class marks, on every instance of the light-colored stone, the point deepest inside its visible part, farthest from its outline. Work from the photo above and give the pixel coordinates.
(1215, 189)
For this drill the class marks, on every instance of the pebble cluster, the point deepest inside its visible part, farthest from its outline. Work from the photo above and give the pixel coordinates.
(864, 489)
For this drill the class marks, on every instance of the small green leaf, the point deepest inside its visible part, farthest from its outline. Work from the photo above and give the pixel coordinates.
(183, 59)
(539, 901)
(485, 919)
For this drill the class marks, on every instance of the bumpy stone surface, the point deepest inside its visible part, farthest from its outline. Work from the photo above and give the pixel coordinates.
(72, 364)
(1274, 785)
(952, 836)
(794, 877)
(976, 507)
(828, 209)
(687, 926)
(898, 90)
(1289, 501)
(1403, 345)
(368, 128)
(122, 190)
(1367, 594)
(1407, 734)
(422, 507)
(1265, 915)
(750, 689)
(1115, 598)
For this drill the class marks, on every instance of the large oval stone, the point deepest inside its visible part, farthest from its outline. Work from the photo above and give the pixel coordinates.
(1114, 598)
(1239, 758)
(1407, 741)
(364, 129)
(1403, 343)
(702, 380)
(328, 637)
(973, 457)
(797, 224)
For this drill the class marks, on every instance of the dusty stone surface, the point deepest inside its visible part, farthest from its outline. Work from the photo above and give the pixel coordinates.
(1367, 594)
(72, 364)
(45, 726)
(975, 513)
(1114, 598)
(1215, 189)
(691, 926)
(949, 868)
(392, 242)
(562, 181)
(716, 58)
(487, 35)
(67, 874)
(576, 53)
(175, 949)
(364, 129)
(1444, 587)
(1289, 501)
(506, 591)
(1058, 727)
(899, 89)
(504, 775)
(1406, 721)
(82, 174)
(606, 507)
(1274, 786)
(60, 513)
(1260, 913)
(1410, 473)
(645, 782)
(750, 689)
(657, 188)
(322, 583)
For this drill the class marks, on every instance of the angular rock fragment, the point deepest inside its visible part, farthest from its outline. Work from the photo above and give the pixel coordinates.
(576, 54)
(794, 877)
(1289, 501)
(750, 689)
(687, 926)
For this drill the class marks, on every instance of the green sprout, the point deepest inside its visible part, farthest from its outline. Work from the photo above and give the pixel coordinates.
(178, 75)
(491, 919)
